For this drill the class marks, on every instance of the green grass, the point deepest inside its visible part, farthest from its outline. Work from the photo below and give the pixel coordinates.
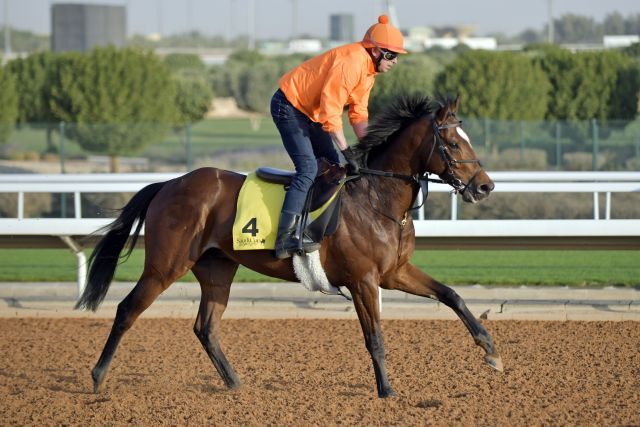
(488, 267)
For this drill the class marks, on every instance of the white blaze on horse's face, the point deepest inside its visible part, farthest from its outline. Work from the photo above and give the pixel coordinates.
(463, 134)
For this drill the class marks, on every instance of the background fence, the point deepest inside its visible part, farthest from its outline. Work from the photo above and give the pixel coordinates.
(249, 142)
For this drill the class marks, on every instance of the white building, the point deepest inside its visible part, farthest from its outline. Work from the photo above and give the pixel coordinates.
(619, 41)
(305, 46)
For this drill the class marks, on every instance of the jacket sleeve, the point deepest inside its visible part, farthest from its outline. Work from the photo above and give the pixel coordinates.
(359, 101)
(334, 96)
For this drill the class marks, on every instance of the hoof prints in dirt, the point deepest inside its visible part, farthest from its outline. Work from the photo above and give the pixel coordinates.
(319, 372)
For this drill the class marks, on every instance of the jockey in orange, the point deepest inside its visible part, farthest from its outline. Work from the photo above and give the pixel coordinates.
(307, 110)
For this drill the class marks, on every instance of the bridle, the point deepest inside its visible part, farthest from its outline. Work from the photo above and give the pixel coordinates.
(449, 177)
(419, 179)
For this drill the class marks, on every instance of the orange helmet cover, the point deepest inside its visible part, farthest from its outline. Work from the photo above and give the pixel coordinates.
(384, 35)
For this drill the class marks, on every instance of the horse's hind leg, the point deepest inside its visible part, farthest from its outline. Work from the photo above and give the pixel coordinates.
(215, 274)
(141, 296)
(412, 280)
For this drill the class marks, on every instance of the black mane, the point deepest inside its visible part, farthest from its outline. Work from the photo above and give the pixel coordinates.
(397, 115)
(394, 117)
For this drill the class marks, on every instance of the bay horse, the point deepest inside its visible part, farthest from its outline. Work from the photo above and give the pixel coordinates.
(189, 221)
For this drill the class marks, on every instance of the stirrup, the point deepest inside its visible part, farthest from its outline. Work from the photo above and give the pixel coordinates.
(347, 297)
(284, 252)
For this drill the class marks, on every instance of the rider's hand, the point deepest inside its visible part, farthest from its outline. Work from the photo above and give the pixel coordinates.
(351, 156)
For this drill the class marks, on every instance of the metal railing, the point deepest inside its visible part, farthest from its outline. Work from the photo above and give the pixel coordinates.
(624, 233)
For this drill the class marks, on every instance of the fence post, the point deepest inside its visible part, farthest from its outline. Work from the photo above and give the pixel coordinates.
(594, 157)
(454, 206)
(63, 196)
(522, 141)
(189, 152)
(558, 148)
(487, 138)
(61, 129)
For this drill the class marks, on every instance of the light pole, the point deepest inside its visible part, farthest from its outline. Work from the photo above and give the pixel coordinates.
(251, 23)
(7, 32)
(550, 24)
(294, 19)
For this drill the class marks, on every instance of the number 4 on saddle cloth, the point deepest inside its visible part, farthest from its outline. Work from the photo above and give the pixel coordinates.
(260, 201)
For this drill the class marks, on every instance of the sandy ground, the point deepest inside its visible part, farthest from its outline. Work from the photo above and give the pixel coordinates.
(302, 372)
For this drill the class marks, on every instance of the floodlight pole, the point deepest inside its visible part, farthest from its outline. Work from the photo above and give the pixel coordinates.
(550, 24)
(251, 24)
(7, 32)
(294, 19)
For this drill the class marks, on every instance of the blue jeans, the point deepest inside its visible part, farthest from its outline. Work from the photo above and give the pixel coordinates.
(305, 141)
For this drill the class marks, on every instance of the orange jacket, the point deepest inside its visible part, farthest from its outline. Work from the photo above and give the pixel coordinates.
(323, 85)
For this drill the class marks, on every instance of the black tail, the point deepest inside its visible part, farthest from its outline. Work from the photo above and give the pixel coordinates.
(104, 258)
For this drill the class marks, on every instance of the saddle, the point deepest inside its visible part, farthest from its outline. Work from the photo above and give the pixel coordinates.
(259, 206)
(328, 181)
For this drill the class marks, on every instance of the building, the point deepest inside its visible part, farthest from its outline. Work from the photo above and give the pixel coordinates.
(341, 28)
(80, 27)
(618, 41)
(305, 46)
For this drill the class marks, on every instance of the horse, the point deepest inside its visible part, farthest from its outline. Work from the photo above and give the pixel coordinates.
(189, 221)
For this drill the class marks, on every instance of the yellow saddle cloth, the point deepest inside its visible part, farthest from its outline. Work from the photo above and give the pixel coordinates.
(258, 212)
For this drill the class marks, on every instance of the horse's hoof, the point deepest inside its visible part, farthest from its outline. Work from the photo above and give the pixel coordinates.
(235, 386)
(495, 362)
(383, 394)
(98, 378)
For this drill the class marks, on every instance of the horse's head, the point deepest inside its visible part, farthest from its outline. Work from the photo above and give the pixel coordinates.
(451, 156)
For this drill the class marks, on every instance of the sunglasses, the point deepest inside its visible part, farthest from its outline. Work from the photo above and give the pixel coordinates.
(388, 55)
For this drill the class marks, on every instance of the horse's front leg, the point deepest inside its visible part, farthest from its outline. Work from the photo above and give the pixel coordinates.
(412, 280)
(365, 300)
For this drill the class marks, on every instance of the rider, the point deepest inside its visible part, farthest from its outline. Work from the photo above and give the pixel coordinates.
(307, 110)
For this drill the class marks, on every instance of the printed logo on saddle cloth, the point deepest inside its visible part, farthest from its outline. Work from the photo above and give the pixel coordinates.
(258, 213)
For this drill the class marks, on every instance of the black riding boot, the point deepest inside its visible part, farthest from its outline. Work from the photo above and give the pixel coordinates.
(288, 240)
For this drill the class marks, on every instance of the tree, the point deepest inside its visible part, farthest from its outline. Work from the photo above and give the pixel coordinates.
(251, 78)
(184, 62)
(193, 97)
(8, 104)
(614, 23)
(632, 24)
(576, 29)
(530, 36)
(503, 86)
(193, 91)
(117, 101)
(415, 74)
(590, 85)
(633, 51)
(26, 41)
(33, 80)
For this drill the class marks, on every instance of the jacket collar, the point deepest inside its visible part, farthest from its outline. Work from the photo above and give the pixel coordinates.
(371, 70)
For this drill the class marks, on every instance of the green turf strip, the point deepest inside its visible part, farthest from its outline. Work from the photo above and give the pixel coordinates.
(487, 267)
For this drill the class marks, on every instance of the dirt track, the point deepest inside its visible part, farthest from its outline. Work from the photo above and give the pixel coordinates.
(318, 372)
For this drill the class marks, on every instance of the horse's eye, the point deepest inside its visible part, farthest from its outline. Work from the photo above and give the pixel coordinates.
(454, 145)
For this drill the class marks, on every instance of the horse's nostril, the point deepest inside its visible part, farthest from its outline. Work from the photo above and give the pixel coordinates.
(487, 188)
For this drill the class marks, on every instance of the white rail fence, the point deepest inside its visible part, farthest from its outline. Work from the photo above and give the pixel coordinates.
(21, 231)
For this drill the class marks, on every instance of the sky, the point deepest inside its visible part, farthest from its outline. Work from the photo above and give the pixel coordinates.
(275, 18)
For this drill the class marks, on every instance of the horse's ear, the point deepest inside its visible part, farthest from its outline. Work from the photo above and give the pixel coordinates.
(456, 103)
(443, 113)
